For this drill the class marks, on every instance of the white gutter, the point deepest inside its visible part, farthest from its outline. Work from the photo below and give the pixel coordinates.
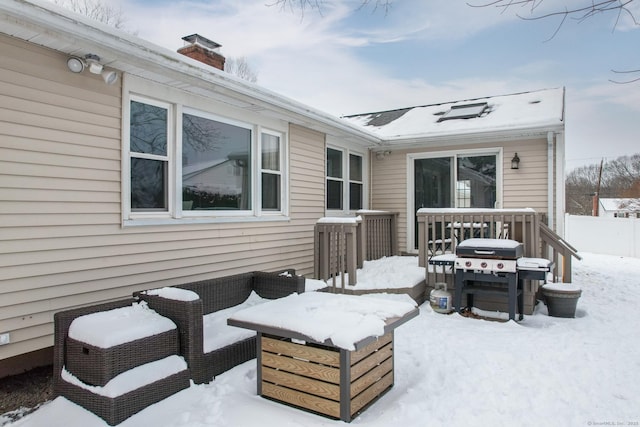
(477, 136)
(550, 187)
(560, 185)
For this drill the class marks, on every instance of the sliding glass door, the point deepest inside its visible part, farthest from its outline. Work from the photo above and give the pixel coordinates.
(476, 182)
(456, 181)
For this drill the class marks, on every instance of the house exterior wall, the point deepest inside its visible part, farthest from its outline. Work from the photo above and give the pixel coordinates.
(524, 187)
(62, 242)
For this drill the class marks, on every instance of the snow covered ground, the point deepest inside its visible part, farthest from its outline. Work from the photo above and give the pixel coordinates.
(457, 371)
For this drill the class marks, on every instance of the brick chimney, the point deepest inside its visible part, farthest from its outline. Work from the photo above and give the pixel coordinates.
(204, 50)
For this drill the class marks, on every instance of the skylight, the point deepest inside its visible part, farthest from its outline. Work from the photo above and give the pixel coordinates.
(467, 111)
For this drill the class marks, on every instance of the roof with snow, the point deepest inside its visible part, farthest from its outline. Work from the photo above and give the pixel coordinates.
(519, 111)
(623, 204)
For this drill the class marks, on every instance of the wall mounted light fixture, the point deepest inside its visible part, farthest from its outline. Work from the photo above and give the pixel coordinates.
(381, 155)
(515, 162)
(77, 64)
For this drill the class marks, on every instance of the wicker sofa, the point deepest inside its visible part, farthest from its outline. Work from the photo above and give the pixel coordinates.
(216, 295)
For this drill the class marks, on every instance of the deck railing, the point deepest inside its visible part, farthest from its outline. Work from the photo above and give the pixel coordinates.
(559, 251)
(440, 230)
(377, 235)
(342, 244)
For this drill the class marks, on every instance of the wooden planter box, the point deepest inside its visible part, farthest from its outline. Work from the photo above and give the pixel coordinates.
(330, 381)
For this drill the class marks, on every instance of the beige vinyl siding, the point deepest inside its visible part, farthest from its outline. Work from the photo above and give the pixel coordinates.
(59, 169)
(62, 243)
(525, 187)
(307, 189)
(389, 189)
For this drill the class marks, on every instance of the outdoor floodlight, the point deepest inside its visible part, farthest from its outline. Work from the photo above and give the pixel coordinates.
(109, 77)
(75, 64)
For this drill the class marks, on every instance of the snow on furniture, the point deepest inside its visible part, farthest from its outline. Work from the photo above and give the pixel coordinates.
(204, 356)
(332, 354)
(137, 367)
(131, 392)
(101, 345)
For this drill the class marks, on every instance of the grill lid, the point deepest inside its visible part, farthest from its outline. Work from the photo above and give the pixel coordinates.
(490, 248)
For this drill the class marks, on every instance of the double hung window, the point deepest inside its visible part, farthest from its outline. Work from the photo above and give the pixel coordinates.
(345, 185)
(149, 131)
(271, 178)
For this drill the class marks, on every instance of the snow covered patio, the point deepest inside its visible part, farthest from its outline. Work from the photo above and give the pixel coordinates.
(456, 371)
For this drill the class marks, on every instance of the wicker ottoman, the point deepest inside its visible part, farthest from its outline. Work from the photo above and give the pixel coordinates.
(114, 406)
(134, 336)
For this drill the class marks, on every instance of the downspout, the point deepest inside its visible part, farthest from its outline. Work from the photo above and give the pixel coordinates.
(560, 183)
(550, 192)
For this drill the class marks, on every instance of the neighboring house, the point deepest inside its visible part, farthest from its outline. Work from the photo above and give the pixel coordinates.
(619, 208)
(110, 181)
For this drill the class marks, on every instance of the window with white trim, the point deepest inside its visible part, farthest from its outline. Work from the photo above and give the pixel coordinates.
(149, 157)
(185, 162)
(271, 170)
(216, 163)
(335, 179)
(355, 182)
(345, 184)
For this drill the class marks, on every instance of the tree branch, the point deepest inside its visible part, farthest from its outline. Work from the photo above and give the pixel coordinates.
(625, 72)
(580, 13)
(302, 5)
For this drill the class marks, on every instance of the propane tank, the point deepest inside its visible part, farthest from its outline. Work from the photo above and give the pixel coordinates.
(440, 299)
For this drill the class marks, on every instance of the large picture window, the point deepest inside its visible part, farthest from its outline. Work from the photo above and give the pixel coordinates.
(216, 165)
(186, 163)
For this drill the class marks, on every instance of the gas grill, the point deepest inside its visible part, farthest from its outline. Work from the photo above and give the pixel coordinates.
(484, 266)
(488, 255)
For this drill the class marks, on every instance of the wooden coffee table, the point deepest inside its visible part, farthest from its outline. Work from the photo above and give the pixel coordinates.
(318, 375)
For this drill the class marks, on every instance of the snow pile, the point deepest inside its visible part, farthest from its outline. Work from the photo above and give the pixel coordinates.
(455, 371)
(385, 273)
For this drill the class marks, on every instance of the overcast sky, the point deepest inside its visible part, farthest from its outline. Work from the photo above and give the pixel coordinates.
(350, 60)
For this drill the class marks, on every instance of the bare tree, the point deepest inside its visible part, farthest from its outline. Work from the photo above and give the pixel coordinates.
(582, 11)
(239, 66)
(317, 5)
(96, 9)
(620, 178)
(113, 16)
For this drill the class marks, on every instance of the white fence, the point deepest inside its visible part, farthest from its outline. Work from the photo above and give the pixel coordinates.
(610, 236)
